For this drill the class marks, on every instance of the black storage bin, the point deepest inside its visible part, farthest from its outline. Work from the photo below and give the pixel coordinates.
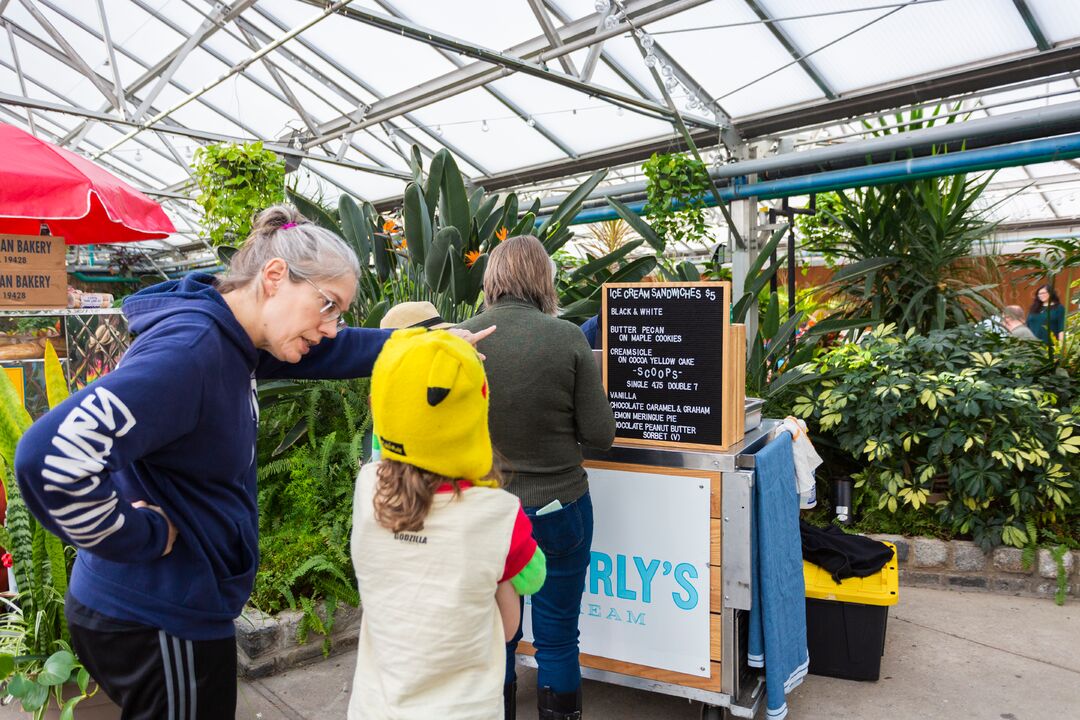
(845, 640)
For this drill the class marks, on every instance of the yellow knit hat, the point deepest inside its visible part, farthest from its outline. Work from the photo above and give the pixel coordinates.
(429, 401)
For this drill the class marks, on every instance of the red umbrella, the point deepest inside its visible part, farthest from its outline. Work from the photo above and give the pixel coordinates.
(41, 182)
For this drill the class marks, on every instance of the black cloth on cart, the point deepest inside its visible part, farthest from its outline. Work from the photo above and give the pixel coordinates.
(841, 554)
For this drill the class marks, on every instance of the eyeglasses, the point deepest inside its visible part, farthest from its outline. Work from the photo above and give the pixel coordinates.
(330, 311)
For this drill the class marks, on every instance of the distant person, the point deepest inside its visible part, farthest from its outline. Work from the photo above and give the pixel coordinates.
(1013, 318)
(591, 328)
(441, 553)
(1046, 316)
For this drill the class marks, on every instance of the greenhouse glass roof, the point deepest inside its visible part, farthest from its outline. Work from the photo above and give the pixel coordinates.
(527, 94)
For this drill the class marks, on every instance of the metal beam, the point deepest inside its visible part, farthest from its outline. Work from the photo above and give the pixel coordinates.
(42, 105)
(916, 90)
(595, 50)
(143, 80)
(36, 81)
(610, 157)
(1032, 25)
(293, 101)
(792, 48)
(78, 63)
(507, 102)
(524, 57)
(321, 54)
(616, 67)
(347, 95)
(209, 26)
(118, 87)
(729, 135)
(237, 68)
(553, 38)
(19, 72)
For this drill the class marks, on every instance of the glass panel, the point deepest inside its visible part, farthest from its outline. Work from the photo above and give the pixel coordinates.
(1059, 20)
(916, 39)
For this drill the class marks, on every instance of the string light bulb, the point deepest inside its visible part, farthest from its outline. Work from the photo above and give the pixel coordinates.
(484, 126)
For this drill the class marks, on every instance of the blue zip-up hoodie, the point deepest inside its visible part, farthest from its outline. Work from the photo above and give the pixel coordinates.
(175, 425)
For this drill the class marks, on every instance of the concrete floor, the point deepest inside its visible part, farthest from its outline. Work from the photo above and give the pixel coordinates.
(948, 655)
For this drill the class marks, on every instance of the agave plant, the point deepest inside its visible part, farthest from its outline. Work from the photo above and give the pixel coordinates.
(36, 659)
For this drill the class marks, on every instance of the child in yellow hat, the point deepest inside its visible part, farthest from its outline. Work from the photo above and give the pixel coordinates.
(441, 554)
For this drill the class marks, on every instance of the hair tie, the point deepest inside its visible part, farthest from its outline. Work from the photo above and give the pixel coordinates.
(286, 226)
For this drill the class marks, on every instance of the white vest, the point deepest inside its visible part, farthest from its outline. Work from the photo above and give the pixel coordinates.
(431, 637)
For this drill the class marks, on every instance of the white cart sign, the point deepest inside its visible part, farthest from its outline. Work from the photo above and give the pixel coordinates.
(647, 590)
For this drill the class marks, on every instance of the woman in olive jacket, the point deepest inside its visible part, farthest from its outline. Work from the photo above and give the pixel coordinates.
(546, 398)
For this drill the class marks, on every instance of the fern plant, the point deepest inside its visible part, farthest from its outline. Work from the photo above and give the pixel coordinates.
(311, 437)
(36, 659)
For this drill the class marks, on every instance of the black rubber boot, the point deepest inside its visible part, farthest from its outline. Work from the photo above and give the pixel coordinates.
(510, 700)
(558, 706)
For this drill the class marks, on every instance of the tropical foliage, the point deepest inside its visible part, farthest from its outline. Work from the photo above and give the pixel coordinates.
(36, 658)
(676, 187)
(907, 252)
(964, 412)
(311, 439)
(235, 182)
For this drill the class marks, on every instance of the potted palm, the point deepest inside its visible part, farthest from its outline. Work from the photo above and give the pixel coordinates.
(38, 667)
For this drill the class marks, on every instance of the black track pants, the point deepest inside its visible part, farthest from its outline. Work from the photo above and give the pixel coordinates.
(155, 676)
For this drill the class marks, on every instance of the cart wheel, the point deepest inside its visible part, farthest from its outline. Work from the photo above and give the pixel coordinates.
(711, 712)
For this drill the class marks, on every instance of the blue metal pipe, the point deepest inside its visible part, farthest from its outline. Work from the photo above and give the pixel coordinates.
(1022, 153)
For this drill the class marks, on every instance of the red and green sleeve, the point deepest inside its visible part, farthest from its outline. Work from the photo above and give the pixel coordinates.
(526, 567)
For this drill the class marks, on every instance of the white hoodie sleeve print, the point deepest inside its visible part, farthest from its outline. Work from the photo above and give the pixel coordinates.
(64, 464)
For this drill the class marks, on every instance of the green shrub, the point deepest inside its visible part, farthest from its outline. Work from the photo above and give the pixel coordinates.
(963, 412)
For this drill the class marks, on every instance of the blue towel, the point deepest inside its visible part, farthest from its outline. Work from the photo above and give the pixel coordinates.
(778, 614)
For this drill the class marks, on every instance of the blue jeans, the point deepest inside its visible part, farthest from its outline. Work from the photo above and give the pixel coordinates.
(565, 536)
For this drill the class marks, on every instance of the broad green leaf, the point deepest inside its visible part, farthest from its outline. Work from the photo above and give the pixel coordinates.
(355, 229)
(570, 205)
(417, 220)
(641, 227)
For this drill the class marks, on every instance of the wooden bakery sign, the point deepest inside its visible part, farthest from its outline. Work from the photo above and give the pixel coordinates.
(32, 272)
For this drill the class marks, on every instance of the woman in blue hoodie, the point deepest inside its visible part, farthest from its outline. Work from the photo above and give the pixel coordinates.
(150, 471)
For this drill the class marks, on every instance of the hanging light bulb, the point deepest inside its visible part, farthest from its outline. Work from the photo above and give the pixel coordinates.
(671, 81)
(666, 71)
(438, 131)
(646, 40)
(650, 60)
(484, 126)
(602, 5)
(692, 102)
(610, 21)
(619, 111)
(138, 155)
(531, 121)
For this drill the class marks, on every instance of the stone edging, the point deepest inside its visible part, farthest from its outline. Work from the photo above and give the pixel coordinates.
(962, 565)
(267, 644)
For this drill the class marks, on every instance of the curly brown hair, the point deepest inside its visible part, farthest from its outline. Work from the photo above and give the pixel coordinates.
(403, 494)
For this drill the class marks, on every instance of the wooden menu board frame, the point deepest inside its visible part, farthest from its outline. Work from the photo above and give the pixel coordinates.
(723, 404)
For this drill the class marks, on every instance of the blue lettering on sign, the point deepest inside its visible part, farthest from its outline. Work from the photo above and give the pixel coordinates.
(682, 571)
(620, 575)
(637, 583)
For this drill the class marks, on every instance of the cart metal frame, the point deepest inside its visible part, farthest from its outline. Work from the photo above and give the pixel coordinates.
(742, 689)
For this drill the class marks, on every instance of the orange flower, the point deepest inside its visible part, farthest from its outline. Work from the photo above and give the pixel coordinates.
(501, 233)
(389, 226)
(404, 243)
(471, 257)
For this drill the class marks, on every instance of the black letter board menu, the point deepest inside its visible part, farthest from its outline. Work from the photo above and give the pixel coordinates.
(664, 347)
